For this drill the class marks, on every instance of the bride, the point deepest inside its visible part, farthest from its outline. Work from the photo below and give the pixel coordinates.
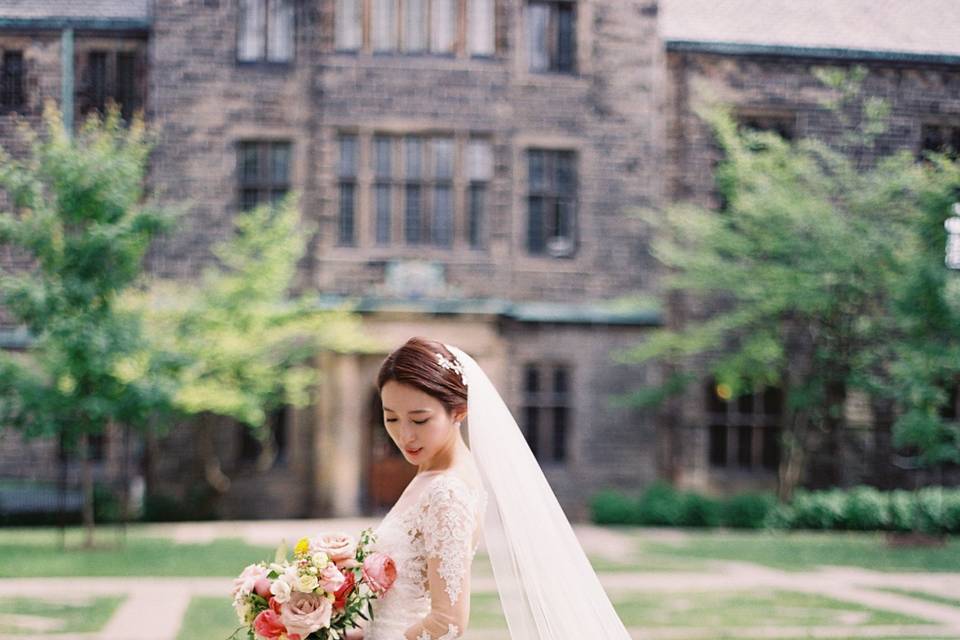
(547, 588)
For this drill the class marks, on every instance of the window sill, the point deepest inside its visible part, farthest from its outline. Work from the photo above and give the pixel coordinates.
(425, 57)
(551, 78)
(453, 255)
(271, 65)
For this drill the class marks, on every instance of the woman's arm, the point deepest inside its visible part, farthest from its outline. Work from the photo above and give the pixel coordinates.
(448, 527)
(450, 601)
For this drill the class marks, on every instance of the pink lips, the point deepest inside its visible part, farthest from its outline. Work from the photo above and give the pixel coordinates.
(414, 451)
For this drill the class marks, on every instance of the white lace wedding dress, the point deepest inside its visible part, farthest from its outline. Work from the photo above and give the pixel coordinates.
(432, 533)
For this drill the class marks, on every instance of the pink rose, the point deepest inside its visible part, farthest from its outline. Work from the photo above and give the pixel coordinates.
(331, 578)
(379, 571)
(344, 591)
(245, 582)
(262, 587)
(268, 625)
(304, 613)
(274, 605)
(339, 546)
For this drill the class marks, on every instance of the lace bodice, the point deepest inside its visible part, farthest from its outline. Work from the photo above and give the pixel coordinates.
(432, 533)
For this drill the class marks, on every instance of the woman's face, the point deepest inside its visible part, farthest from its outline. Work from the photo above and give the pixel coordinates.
(417, 422)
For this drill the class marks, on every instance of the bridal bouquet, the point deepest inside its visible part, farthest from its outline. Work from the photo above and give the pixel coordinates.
(318, 594)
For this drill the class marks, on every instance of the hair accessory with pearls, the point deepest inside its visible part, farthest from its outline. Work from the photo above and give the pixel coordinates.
(453, 365)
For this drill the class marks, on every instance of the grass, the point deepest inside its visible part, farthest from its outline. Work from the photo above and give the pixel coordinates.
(799, 551)
(725, 611)
(210, 617)
(36, 553)
(39, 617)
(923, 595)
(726, 608)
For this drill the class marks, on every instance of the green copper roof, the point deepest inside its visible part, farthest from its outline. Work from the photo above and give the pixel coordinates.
(826, 53)
(602, 312)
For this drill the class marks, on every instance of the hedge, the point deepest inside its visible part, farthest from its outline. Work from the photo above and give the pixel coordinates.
(933, 510)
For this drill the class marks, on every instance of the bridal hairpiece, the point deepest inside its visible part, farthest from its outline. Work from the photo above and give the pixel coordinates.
(446, 363)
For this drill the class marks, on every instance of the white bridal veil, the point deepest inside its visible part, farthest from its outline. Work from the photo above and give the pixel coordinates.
(547, 587)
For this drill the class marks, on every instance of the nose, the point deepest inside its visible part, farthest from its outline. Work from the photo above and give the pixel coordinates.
(408, 437)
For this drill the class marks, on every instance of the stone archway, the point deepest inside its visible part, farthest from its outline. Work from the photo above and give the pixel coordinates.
(387, 471)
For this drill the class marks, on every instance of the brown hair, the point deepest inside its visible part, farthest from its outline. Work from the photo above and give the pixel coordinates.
(415, 364)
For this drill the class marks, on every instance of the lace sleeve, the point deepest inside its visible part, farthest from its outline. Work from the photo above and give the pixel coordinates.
(448, 525)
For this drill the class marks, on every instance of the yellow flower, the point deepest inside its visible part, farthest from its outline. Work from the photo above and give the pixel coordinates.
(303, 546)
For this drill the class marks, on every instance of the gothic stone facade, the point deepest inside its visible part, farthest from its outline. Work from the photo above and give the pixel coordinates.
(731, 446)
(470, 178)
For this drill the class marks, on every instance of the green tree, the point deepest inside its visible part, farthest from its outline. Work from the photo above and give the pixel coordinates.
(926, 364)
(77, 213)
(800, 270)
(240, 341)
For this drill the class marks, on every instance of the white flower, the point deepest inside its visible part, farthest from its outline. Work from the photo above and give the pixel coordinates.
(243, 609)
(281, 589)
(307, 583)
(244, 583)
(320, 559)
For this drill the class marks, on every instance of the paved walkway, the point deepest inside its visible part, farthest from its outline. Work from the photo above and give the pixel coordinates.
(154, 607)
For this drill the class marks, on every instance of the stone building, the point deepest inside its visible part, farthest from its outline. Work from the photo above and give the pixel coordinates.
(759, 58)
(470, 167)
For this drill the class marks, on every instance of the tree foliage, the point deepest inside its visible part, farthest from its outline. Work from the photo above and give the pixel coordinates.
(813, 272)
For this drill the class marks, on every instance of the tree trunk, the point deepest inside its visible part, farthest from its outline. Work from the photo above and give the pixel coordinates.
(150, 455)
(125, 488)
(210, 461)
(835, 419)
(670, 417)
(62, 489)
(883, 472)
(86, 479)
(791, 465)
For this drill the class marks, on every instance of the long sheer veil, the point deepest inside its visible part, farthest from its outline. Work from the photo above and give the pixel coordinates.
(548, 589)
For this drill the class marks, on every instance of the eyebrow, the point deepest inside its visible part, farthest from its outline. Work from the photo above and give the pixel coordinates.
(414, 411)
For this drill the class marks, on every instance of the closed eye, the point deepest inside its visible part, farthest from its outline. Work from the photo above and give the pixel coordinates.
(415, 421)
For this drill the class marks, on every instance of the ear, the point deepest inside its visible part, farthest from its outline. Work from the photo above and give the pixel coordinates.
(459, 415)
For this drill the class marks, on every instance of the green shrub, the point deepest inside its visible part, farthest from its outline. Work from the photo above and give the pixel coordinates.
(695, 510)
(865, 509)
(951, 511)
(901, 514)
(933, 510)
(819, 510)
(659, 505)
(199, 503)
(747, 511)
(780, 516)
(930, 512)
(106, 504)
(612, 507)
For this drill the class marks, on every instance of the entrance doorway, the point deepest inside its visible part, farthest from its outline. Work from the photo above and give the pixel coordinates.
(388, 472)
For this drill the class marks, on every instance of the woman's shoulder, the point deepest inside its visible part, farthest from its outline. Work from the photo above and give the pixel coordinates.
(454, 485)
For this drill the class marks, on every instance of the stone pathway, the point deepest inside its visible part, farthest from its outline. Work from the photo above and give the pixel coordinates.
(154, 607)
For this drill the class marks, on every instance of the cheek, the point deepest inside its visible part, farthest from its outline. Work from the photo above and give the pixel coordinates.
(437, 434)
(391, 428)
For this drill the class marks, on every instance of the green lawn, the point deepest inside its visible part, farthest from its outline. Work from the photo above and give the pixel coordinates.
(726, 608)
(208, 617)
(800, 551)
(35, 553)
(39, 617)
(724, 611)
(923, 595)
